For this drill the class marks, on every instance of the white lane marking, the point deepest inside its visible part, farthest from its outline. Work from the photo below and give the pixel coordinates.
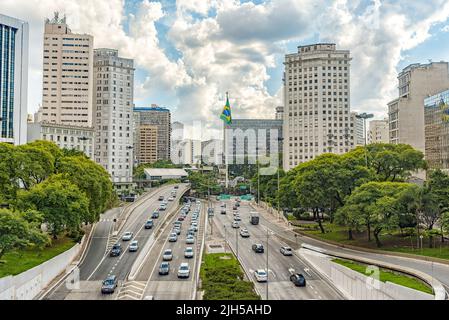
(307, 270)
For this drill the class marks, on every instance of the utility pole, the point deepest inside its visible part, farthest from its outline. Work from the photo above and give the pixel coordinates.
(365, 116)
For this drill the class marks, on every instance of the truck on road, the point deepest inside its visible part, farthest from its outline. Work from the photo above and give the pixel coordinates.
(254, 218)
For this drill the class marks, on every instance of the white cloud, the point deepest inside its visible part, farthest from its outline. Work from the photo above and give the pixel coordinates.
(232, 50)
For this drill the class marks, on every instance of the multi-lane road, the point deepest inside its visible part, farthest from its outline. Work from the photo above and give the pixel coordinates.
(97, 264)
(279, 266)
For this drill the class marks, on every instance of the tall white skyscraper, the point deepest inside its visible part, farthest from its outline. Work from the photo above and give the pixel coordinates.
(13, 80)
(113, 117)
(317, 116)
(67, 77)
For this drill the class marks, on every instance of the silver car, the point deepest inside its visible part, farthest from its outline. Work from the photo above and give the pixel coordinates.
(190, 240)
(188, 253)
(173, 237)
(168, 255)
(134, 246)
(127, 236)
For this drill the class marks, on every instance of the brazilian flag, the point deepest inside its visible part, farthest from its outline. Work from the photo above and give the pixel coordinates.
(226, 115)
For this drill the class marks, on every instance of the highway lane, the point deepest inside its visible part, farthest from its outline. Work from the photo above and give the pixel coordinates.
(98, 265)
(170, 287)
(438, 270)
(279, 266)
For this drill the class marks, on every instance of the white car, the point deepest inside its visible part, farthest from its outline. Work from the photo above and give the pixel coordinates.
(190, 240)
(236, 225)
(286, 251)
(127, 236)
(261, 275)
(171, 199)
(184, 270)
(134, 246)
(188, 253)
(244, 233)
(168, 255)
(173, 237)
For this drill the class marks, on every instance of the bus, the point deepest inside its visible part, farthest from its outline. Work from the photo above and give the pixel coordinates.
(254, 218)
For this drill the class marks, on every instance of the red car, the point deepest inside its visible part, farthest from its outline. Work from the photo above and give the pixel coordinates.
(181, 218)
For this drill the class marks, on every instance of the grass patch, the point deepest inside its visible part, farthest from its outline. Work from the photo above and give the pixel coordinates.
(391, 242)
(388, 275)
(223, 279)
(18, 261)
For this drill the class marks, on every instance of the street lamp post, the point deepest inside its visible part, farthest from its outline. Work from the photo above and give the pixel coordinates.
(268, 273)
(279, 188)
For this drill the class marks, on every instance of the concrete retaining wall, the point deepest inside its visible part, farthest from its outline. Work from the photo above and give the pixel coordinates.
(28, 284)
(356, 286)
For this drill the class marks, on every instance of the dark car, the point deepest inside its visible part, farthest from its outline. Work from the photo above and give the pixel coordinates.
(298, 279)
(258, 248)
(161, 198)
(109, 285)
(223, 211)
(234, 207)
(181, 218)
(155, 215)
(176, 187)
(116, 250)
(149, 224)
(164, 269)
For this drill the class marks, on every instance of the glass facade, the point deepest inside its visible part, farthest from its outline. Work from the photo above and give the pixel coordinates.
(7, 68)
(436, 113)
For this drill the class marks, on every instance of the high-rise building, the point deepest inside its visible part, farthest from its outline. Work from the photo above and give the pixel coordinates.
(13, 80)
(146, 147)
(67, 76)
(161, 118)
(249, 140)
(406, 113)
(113, 117)
(436, 113)
(378, 131)
(279, 113)
(177, 137)
(358, 129)
(212, 151)
(316, 103)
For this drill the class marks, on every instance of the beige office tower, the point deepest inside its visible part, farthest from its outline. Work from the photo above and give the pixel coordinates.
(113, 117)
(317, 116)
(406, 113)
(378, 131)
(67, 76)
(146, 148)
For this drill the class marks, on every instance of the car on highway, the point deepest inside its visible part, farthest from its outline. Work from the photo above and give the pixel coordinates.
(177, 230)
(298, 279)
(237, 203)
(180, 218)
(155, 215)
(161, 198)
(223, 205)
(163, 207)
(258, 248)
(109, 284)
(171, 199)
(223, 211)
(149, 224)
(190, 239)
(194, 227)
(237, 218)
(177, 224)
(188, 253)
(127, 236)
(134, 246)
(286, 251)
(116, 250)
(261, 275)
(168, 255)
(184, 270)
(234, 208)
(173, 237)
(244, 233)
(164, 268)
(176, 187)
(235, 224)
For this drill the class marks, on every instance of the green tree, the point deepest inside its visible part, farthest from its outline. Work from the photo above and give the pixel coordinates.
(90, 178)
(17, 233)
(8, 172)
(62, 204)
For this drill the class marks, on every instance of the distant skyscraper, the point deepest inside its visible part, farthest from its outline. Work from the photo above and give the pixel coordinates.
(68, 75)
(378, 131)
(113, 118)
(146, 146)
(358, 129)
(316, 103)
(406, 113)
(279, 113)
(13, 80)
(160, 118)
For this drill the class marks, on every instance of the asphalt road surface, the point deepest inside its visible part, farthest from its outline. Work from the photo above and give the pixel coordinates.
(170, 287)
(97, 264)
(279, 266)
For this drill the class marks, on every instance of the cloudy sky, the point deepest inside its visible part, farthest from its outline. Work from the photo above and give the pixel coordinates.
(188, 53)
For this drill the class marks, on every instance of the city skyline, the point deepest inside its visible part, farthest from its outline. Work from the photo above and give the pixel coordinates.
(248, 64)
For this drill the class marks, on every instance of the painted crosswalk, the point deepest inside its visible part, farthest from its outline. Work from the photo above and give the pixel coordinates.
(113, 239)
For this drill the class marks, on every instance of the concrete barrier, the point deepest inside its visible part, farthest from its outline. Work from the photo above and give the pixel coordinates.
(356, 286)
(28, 284)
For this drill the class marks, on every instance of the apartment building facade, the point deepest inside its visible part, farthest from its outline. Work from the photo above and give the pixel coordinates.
(378, 131)
(317, 115)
